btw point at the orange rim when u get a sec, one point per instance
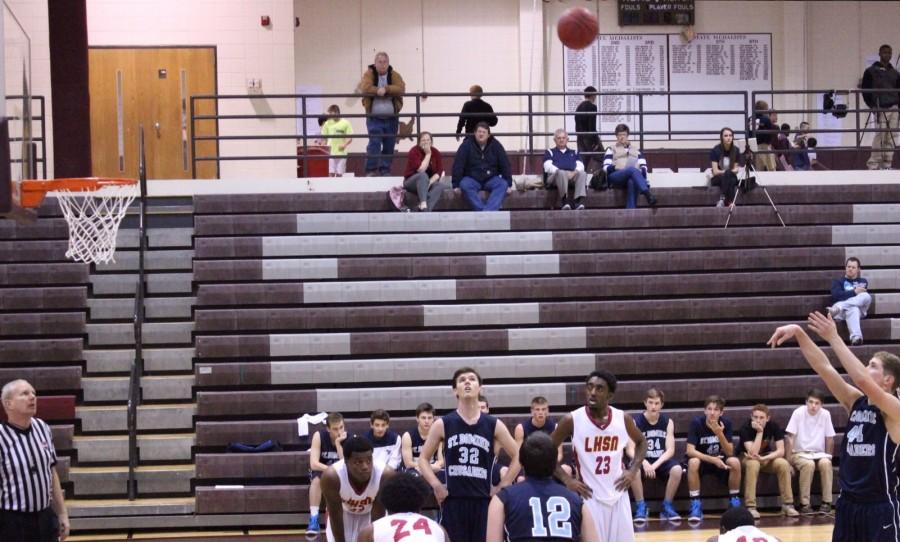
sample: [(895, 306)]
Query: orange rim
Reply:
[(32, 192)]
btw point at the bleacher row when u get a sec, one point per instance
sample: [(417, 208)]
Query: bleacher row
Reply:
[(42, 320), (309, 302), (314, 304)]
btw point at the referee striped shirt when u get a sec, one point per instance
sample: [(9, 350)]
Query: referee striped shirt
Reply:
[(27, 457)]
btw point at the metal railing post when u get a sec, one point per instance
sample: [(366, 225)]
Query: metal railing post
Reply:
[(193, 141), (750, 122), (746, 108), (530, 146), (43, 137), (418, 117), (859, 136), (641, 119), (305, 138), (137, 366)]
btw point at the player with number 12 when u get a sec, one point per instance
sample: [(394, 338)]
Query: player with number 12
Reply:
[(538, 509)]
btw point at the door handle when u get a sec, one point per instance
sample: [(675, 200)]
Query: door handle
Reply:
[(156, 127)]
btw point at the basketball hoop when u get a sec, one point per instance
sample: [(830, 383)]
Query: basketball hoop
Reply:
[(93, 208)]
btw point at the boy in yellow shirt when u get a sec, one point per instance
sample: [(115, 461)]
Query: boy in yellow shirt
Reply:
[(336, 126)]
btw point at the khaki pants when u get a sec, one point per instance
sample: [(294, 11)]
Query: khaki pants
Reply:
[(764, 162), (561, 180), (883, 143), (806, 467), (778, 466)]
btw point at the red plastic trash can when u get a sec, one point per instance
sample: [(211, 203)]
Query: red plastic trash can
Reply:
[(316, 160)]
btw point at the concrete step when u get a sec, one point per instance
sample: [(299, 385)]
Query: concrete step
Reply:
[(154, 260), (155, 388), (155, 360), (170, 479), (153, 333), (95, 419), (86, 508), (103, 517), (125, 283), (114, 448), (157, 238), (172, 388), (119, 308)]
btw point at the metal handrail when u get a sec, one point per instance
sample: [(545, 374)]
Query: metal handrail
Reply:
[(42, 118), (530, 116), (137, 365), (640, 131), (856, 110)]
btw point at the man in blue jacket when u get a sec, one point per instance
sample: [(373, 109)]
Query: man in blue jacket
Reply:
[(481, 164), (562, 167), (850, 299)]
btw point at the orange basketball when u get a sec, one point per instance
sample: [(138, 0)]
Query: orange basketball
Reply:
[(577, 28)]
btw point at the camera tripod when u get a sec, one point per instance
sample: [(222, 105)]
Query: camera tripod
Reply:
[(748, 183), (878, 116)]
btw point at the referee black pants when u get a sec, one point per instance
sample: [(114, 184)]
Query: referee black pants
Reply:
[(40, 526)]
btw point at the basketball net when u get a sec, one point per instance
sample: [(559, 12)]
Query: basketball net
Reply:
[(94, 218)]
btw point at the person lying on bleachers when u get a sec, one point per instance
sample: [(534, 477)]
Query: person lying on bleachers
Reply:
[(850, 299)]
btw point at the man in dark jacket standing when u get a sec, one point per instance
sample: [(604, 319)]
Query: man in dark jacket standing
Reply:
[(589, 146), (882, 76), (850, 299), (383, 88), (481, 164)]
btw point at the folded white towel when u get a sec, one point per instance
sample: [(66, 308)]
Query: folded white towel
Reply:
[(304, 421)]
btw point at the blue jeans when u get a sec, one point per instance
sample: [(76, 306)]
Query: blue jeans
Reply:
[(635, 180), (496, 186), (382, 137)]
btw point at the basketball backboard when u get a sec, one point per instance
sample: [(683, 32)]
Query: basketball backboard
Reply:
[(16, 149)]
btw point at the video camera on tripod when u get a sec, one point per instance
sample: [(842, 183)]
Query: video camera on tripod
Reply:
[(747, 181)]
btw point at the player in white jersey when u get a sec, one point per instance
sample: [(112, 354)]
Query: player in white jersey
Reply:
[(737, 526), (403, 497), (599, 435), (350, 487)]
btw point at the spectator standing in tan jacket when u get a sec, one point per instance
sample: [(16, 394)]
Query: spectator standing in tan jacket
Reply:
[(383, 89)]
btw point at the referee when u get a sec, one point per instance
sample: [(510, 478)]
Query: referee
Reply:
[(29, 485)]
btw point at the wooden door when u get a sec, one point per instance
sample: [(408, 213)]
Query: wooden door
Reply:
[(151, 87)]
